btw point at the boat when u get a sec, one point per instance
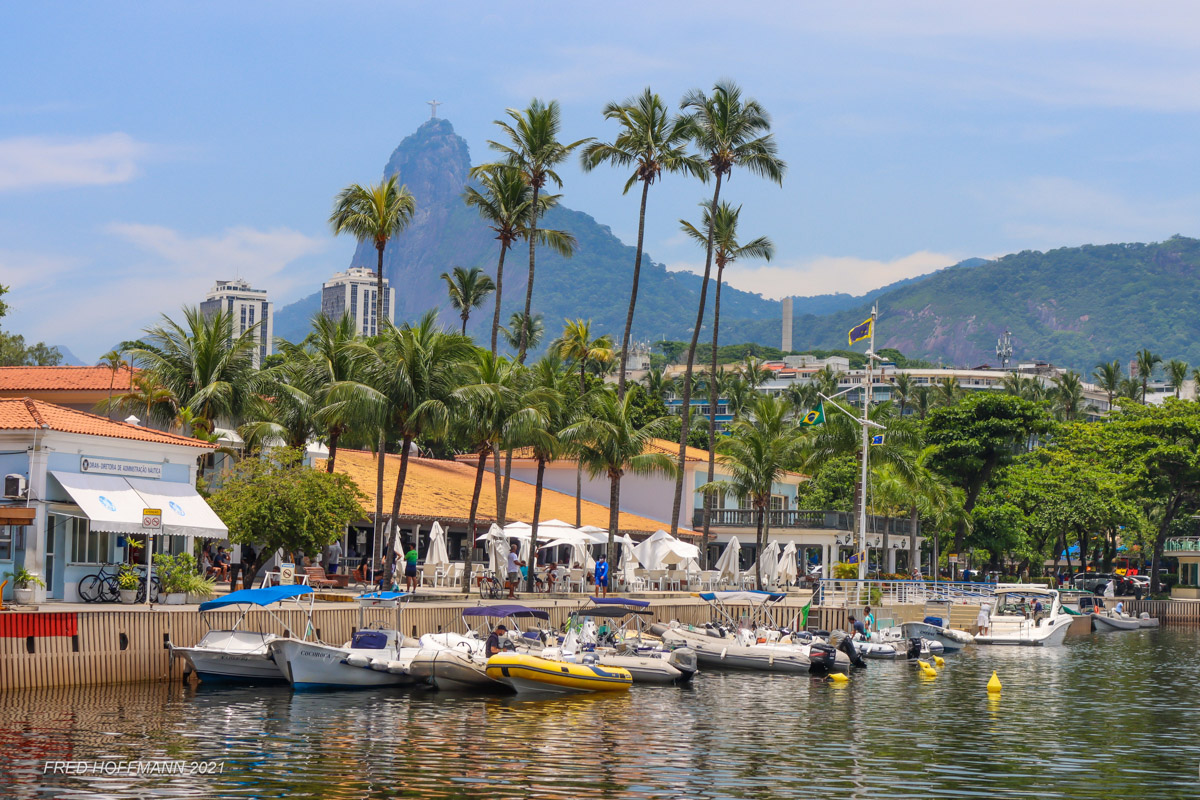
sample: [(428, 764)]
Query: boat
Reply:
[(1147, 621), (1015, 620), (754, 645), (239, 655), (890, 643), (626, 647), (935, 627), (374, 656), (531, 674), (453, 661), (1108, 620)]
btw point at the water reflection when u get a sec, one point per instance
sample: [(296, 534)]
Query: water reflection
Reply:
[(1101, 717)]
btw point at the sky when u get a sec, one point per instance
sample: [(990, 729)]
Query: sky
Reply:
[(148, 149)]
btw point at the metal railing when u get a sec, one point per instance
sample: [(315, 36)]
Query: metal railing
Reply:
[(1178, 544), (801, 518), (846, 593)]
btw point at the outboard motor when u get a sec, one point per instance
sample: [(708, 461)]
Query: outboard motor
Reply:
[(847, 647), (684, 659), (821, 659), (914, 649), (589, 658), (821, 635)]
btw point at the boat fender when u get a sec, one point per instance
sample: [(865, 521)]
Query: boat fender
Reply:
[(357, 660), (724, 650), (379, 665), (771, 660), (837, 677), (941, 662)]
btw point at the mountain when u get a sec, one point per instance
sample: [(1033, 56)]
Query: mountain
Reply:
[(1074, 306), (433, 163)]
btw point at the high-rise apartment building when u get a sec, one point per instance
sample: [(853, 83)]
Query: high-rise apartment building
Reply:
[(247, 306), (354, 292)]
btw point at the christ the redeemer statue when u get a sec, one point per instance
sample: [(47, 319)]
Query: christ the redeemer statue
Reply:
[(433, 104)]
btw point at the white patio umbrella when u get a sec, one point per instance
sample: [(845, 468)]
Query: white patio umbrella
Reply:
[(438, 554), (728, 567), (789, 570), (629, 561), (497, 548), (663, 549), (768, 564), (597, 535)]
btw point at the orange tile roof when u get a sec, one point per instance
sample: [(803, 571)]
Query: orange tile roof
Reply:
[(442, 490), (21, 413), (15, 379)]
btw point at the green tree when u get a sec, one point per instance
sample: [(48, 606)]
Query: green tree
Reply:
[(468, 290), (948, 391), (608, 443), (729, 132), (576, 344), (651, 141), (1177, 372), (658, 384), (1068, 395), (279, 503), (114, 360), (902, 388), (518, 327), (331, 355), (506, 205), (533, 151), (1146, 362), (1108, 377)]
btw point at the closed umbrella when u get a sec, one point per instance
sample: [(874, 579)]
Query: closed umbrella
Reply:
[(728, 566), (629, 561), (789, 570), (438, 554), (497, 548), (768, 564)]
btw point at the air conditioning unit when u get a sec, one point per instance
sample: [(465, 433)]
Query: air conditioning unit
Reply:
[(15, 487)]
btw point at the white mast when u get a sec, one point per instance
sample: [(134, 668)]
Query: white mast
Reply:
[(866, 449)]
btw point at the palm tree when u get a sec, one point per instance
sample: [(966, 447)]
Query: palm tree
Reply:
[(576, 344), (114, 360), (145, 396), (760, 450), (752, 370), (720, 234), (651, 140), (1177, 372), (922, 400), (738, 397), (902, 388), (202, 364), (1108, 377), (533, 331), (803, 396), (533, 151), (730, 132), (1129, 389), (468, 290), (917, 487), (608, 442), (494, 413), (506, 205), (827, 380), (658, 384), (374, 213), (1068, 394), (1146, 361), (332, 353), (948, 391)]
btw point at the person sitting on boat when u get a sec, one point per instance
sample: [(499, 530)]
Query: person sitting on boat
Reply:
[(1038, 611), (602, 576), (857, 627), (1120, 609), (492, 646)]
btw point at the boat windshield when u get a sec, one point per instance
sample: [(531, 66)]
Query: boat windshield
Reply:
[(1013, 604)]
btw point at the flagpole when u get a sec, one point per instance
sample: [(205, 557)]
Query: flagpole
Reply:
[(866, 449)]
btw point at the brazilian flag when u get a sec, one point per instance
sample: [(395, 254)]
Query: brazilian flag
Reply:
[(861, 331), (814, 417)]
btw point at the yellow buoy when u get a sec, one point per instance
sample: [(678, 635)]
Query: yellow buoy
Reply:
[(993, 685), (924, 664), (929, 673), (837, 677), (941, 662)]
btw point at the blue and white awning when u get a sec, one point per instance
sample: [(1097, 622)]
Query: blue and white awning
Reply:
[(115, 504)]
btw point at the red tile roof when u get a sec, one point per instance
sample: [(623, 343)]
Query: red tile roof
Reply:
[(43, 378), (21, 413)]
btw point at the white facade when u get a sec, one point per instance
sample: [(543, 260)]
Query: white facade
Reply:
[(248, 307), (354, 292)]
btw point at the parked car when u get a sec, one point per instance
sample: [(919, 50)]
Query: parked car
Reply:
[(1091, 581)]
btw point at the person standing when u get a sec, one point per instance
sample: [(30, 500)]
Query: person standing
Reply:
[(983, 622), (870, 620), (410, 569), (602, 576), (335, 557), (514, 571)]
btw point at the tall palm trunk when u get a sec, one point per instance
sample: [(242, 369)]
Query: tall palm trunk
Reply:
[(335, 433), (712, 416), (529, 283), (379, 288), (499, 295), (614, 518), (912, 538), (637, 271), (758, 541), (377, 545), (483, 451), (687, 376), (537, 510), (1083, 557), (500, 499), (464, 325), (887, 526), (396, 498), (579, 461)]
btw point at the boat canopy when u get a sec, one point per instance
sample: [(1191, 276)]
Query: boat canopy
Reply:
[(749, 597), (620, 601), (258, 597), (505, 611)]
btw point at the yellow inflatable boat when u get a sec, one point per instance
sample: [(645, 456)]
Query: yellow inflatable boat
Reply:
[(529, 673)]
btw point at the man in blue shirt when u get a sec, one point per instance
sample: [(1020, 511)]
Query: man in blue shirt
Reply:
[(602, 577)]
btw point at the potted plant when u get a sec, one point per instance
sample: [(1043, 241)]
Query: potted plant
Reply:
[(23, 583), (175, 572), (198, 588), (127, 584)]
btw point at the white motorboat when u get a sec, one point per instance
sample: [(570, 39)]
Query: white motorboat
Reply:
[(935, 627), (1026, 615), (236, 654), (1111, 620), (626, 648), (373, 656), (454, 661)]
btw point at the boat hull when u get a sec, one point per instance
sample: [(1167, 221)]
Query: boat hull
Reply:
[(452, 670), (1028, 636), (308, 665), (212, 665), (1102, 623), (725, 653), (951, 641), (646, 668), (532, 674)]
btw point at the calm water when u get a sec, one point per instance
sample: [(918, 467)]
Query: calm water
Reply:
[(1103, 717)]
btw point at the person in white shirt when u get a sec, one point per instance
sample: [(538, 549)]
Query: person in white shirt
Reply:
[(335, 556), (514, 571)]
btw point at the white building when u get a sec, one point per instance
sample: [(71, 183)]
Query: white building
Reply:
[(354, 292), (248, 307)]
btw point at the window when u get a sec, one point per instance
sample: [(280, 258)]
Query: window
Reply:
[(88, 546), (6, 542), (778, 502)]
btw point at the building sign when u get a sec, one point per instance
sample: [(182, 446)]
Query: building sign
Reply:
[(119, 466)]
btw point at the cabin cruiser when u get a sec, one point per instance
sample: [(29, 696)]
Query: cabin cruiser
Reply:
[(1027, 615), (242, 655), (647, 661), (374, 656), (935, 627), (458, 661)]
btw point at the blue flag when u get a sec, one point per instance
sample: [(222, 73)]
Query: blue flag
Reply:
[(877, 439), (861, 331)]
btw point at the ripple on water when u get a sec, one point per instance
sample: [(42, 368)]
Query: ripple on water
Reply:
[(1090, 719)]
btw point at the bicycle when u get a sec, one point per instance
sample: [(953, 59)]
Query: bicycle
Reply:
[(155, 589), (100, 587), (489, 587)]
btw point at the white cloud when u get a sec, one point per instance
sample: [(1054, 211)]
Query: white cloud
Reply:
[(33, 162), (21, 269), (828, 274)]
